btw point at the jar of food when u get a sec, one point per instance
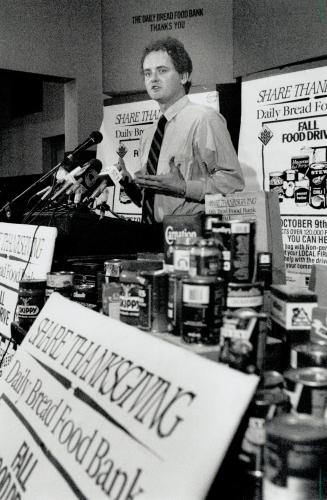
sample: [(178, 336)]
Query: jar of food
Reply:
[(31, 298), (205, 258)]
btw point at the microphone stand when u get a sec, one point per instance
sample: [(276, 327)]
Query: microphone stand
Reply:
[(7, 206)]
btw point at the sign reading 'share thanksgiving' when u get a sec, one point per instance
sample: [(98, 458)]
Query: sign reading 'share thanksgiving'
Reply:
[(94, 408)]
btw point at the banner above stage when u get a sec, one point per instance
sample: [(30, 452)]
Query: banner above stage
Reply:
[(94, 408), (283, 143)]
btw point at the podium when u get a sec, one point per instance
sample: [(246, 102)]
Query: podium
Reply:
[(83, 233)]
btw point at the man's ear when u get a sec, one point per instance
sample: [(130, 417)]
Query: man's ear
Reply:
[(185, 77)]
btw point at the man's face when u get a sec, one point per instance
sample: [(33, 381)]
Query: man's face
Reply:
[(163, 83)]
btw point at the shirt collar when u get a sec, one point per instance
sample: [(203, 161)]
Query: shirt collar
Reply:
[(175, 108)]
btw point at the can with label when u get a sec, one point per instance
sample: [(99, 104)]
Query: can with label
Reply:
[(111, 299), (129, 298), (31, 298), (153, 295), (309, 354), (276, 180), (176, 226), (290, 177), (272, 380), (85, 290), (243, 340), (295, 458), (244, 296), (307, 388), (265, 406), (174, 307), (112, 270), (300, 164), (205, 258), (182, 254), (237, 242), (317, 176), (302, 191), (203, 302), (61, 282)]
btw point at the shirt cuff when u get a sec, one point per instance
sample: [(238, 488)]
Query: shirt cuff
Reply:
[(194, 190)]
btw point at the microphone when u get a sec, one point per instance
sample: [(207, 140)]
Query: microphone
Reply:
[(69, 179), (103, 181), (67, 163), (94, 138), (84, 176), (86, 179), (131, 188)]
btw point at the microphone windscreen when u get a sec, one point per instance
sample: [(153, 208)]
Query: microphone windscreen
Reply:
[(96, 136)]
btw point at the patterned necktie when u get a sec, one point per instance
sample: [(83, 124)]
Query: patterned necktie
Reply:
[(151, 166)]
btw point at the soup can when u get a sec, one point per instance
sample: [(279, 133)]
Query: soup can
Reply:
[(309, 354), (203, 302), (307, 388), (61, 282), (295, 456)]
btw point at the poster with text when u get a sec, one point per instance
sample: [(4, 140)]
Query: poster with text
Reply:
[(26, 252), (122, 127), (283, 143), (92, 408)]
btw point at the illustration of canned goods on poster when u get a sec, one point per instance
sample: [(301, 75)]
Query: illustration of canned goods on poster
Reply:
[(283, 148)]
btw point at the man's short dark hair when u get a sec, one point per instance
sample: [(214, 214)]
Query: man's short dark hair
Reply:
[(181, 60)]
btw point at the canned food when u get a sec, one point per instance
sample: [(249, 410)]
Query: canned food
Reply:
[(153, 294), (309, 354), (31, 298), (264, 268), (85, 290), (205, 258), (266, 405), (61, 282), (295, 456), (302, 191), (112, 270), (276, 180), (176, 226), (203, 301), (129, 298), (243, 340), (182, 254), (174, 308), (244, 296), (317, 177), (272, 380), (290, 177), (237, 242), (111, 300), (308, 390)]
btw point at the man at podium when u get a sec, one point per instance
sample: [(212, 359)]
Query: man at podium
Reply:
[(188, 152)]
